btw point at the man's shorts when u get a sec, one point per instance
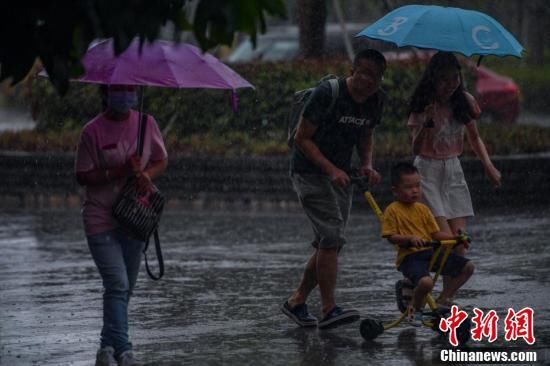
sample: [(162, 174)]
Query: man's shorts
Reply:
[(445, 190), (415, 265), (327, 206)]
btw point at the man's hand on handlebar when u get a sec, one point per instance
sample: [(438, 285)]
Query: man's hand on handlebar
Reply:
[(373, 175)]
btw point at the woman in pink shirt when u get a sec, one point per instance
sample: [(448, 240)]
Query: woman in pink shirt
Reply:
[(439, 113), (105, 159)]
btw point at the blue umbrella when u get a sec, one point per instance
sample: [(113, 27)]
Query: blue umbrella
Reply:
[(446, 29)]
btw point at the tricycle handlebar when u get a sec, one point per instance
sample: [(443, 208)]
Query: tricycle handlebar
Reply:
[(359, 181)]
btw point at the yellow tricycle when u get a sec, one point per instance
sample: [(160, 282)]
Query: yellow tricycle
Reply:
[(371, 328)]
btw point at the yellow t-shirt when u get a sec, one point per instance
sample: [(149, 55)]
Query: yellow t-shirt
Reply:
[(408, 219)]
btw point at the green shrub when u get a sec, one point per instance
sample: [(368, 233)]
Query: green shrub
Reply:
[(262, 111), (533, 81), (70, 112), (201, 121), (500, 140)]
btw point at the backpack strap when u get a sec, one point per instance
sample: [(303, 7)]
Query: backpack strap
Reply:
[(335, 90)]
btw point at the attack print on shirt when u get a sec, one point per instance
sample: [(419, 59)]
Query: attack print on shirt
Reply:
[(350, 120)]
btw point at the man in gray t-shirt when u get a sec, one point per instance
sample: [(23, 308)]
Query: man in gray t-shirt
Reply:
[(321, 160)]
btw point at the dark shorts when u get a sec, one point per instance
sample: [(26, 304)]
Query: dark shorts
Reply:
[(415, 266)]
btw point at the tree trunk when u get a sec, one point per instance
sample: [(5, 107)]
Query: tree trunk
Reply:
[(535, 31), (520, 15), (312, 15)]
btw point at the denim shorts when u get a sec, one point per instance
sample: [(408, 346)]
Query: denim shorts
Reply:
[(327, 206), (415, 265)]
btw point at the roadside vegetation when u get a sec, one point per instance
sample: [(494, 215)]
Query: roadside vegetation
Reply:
[(201, 122), (533, 81)]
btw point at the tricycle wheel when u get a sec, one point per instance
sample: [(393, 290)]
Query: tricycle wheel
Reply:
[(463, 332), (438, 317), (371, 329)]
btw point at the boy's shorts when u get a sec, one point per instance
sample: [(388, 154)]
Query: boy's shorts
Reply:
[(327, 206), (415, 266)]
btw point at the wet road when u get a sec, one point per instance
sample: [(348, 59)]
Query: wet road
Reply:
[(227, 274)]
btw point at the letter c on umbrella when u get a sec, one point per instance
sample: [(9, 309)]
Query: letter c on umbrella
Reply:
[(482, 28)]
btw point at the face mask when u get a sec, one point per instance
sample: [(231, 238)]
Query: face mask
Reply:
[(121, 101)]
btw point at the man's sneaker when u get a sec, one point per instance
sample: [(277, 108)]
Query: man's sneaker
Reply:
[(444, 305), (127, 358), (337, 316), (105, 357), (299, 314)]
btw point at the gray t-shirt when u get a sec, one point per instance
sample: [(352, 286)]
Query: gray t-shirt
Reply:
[(339, 130)]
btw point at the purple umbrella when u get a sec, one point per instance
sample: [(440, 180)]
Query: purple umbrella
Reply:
[(161, 63)]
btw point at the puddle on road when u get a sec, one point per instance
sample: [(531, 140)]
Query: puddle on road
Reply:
[(227, 273)]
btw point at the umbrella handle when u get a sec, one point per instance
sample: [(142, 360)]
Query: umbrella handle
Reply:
[(479, 60), (141, 136)]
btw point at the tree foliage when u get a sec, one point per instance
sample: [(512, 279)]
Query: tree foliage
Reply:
[(60, 31)]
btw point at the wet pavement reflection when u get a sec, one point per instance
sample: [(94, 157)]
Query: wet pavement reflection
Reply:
[(227, 273)]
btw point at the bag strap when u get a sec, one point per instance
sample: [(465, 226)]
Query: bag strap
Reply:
[(335, 90), (141, 132), (159, 257)]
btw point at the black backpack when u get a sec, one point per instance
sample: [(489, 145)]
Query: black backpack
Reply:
[(299, 101)]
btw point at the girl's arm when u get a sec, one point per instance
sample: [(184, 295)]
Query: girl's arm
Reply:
[(481, 151)]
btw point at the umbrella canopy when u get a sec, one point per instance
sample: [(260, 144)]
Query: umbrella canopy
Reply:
[(444, 28), (161, 63)]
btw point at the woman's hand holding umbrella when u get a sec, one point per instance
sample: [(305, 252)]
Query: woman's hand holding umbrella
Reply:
[(143, 180)]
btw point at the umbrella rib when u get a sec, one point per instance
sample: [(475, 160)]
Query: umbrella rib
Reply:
[(463, 32), (234, 88), (509, 37), (171, 67), (198, 58)]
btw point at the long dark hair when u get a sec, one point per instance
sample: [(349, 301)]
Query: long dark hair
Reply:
[(425, 92)]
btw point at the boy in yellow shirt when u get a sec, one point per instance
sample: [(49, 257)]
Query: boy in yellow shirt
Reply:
[(409, 224)]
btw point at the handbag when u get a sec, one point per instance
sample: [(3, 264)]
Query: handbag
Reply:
[(139, 213)]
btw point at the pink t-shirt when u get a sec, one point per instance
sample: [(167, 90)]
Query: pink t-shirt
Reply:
[(446, 139), (108, 144)]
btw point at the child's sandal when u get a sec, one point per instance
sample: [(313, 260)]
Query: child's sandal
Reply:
[(414, 317), (404, 290)]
